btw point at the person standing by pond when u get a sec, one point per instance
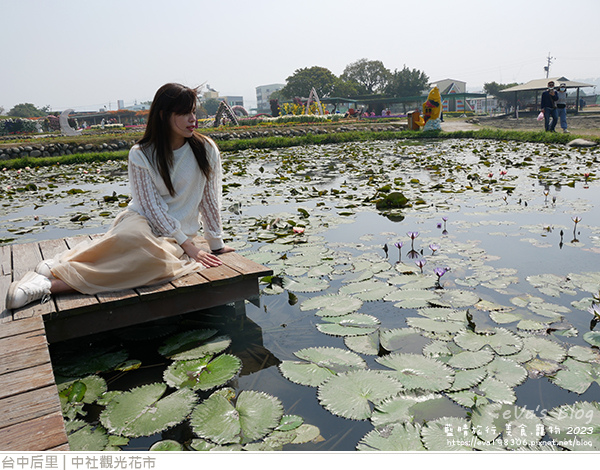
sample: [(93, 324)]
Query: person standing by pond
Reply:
[(175, 177), (561, 106), (548, 105)]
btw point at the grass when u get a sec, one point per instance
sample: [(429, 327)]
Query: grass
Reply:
[(274, 142)]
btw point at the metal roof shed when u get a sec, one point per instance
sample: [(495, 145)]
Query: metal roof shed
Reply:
[(542, 84)]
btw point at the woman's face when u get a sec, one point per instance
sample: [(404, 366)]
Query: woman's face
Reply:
[(182, 127)]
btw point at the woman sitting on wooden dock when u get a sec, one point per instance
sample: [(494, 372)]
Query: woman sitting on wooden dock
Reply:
[(174, 176)]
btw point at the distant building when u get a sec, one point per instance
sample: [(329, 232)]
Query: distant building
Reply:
[(450, 86), (232, 100), (120, 104), (263, 94)]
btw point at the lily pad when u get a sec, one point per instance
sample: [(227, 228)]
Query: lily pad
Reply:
[(512, 423), (202, 374), (194, 344), (414, 371), (145, 410), (577, 376), (576, 426), (321, 364), (350, 395), (349, 325), (332, 305), (502, 341), (395, 438), (251, 417)]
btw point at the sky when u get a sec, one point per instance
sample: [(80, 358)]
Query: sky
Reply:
[(87, 55)]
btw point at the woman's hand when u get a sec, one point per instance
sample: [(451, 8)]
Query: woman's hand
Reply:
[(207, 259)]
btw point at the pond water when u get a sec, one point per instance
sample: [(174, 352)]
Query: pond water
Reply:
[(500, 346)]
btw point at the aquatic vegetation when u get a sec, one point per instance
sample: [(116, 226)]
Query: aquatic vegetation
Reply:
[(415, 362)]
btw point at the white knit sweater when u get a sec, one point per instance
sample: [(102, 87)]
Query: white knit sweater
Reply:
[(177, 216)]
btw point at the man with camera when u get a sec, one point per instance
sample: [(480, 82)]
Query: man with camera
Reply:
[(549, 99)]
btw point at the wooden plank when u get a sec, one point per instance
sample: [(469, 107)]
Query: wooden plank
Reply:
[(28, 406), (5, 315), (219, 274), (117, 296), (244, 265), (45, 432), (24, 360), (22, 326), (5, 261), (27, 379), (25, 258), (71, 325), (191, 280), (13, 345), (75, 300), (52, 248)]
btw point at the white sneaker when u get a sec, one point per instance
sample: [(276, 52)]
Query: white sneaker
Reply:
[(45, 268), (32, 287), (566, 131)]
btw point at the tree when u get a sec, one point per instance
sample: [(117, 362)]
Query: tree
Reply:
[(211, 106), (303, 80), (27, 110), (407, 82), (371, 74), (347, 88)]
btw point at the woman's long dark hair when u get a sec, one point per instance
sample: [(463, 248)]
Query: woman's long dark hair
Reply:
[(170, 99)]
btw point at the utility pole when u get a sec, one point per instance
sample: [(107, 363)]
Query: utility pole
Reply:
[(547, 67)]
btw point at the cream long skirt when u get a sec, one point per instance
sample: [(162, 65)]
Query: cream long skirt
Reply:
[(128, 255)]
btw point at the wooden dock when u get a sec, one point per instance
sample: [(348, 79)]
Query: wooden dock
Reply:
[(30, 411)]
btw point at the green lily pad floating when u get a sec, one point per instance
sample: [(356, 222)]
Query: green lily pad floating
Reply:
[(203, 374), (367, 290), (577, 376), (396, 438), (576, 426), (487, 391), (167, 445), (450, 434), (436, 329), (442, 313), (332, 305), (194, 344), (320, 365), (84, 390), (506, 371), (458, 298), (470, 359), (223, 420), (90, 362), (364, 344), (305, 284), (407, 407), (350, 395), (412, 298), (145, 410), (501, 340), (552, 285), (584, 354), (84, 437), (513, 424), (465, 379), (593, 338), (353, 324), (401, 339), (277, 439), (414, 371)]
